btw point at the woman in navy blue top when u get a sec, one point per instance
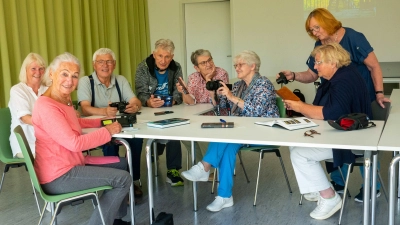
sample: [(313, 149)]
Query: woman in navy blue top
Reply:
[(343, 92)]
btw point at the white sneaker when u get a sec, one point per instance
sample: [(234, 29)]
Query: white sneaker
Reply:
[(220, 203), (312, 197), (327, 207), (196, 173)]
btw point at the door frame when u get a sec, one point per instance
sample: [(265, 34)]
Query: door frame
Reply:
[(183, 29)]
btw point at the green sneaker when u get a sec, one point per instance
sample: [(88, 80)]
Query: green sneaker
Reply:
[(174, 178)]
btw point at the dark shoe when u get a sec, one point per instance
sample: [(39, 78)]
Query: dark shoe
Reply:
[(174, 178), (120, 222), (138, 192), (360, 196), (338, 188)]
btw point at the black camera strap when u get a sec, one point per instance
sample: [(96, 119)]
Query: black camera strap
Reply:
[(92, 87)]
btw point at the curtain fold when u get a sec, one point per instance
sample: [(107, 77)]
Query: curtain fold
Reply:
[(51, 27)]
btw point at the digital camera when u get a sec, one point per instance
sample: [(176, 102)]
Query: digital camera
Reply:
[(213, 85), (282, 79), (121, 106)]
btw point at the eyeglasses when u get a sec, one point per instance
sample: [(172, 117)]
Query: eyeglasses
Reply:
[(318, 62), (108, 62), (314, 29), (209, 61), (310, 133), (239, 65)]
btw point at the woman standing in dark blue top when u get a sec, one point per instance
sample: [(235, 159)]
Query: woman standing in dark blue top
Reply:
[(343, 92), (323, 27)]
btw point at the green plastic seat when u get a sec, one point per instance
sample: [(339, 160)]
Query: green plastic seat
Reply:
[(60, 199), (6, 155), (261, 150)]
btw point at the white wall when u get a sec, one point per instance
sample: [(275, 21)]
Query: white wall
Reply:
[(275, 30)]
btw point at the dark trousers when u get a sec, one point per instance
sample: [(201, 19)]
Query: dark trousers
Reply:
[(136, 152), (173, 155)]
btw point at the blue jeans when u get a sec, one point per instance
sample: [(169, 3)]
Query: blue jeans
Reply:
[(337, 178), (223, 157)]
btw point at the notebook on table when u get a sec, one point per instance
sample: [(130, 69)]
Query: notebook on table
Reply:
[(168, 122), (290, 124)]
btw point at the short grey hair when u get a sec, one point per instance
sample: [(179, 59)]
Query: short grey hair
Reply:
[(65, 57), (165, 44), (30, 58), (250, 58), (197, 53), (103, 51)]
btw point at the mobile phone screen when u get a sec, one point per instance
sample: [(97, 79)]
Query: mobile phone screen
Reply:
[(185, 90)]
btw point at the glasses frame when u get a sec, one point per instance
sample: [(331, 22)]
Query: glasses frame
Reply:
[(310, 133), (239, 65), (315, 28), (107, 62), (204, 63)]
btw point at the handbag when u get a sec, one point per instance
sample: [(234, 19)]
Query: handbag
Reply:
[(164, 218), (352, 121)]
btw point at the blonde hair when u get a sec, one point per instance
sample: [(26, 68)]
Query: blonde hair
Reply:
[(332, 52), (250, 58), (325, 20), (30, 58)]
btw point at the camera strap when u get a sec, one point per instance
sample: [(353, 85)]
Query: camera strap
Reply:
[(92, 88)]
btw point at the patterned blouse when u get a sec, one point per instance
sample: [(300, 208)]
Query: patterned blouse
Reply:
[(260, 101), (197, 85)]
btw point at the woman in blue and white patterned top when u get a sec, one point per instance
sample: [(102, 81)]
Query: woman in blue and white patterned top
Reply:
[(252, 96)]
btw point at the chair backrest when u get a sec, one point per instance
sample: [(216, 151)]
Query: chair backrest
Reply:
[(28, 157), (5, 124), (379, 113), (281, 107)]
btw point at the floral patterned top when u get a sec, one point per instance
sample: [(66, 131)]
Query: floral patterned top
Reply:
[(197, 85), (260, 100)]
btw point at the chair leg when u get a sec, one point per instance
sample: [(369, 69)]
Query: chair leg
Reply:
[(241, 163), (2, 179), (345, 191), (36, 199), (258, 178), (100, 212), (187, 159), (140, 182), (42, 213), (54, 214), (213, 183), (301, 199), (155, 153), (341, 174), (286, 177), (383, 186)]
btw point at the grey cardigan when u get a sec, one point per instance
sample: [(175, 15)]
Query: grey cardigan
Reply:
[(146, 81)]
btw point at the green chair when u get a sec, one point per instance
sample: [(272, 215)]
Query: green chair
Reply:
[(6, 155), (266, 149), (60, 199)]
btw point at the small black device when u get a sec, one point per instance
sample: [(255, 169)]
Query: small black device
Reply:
[(282, 79), (184, 89), (213, 85), (125, 120), (121, 106), (163, 113)]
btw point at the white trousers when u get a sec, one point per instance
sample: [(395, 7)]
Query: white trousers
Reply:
[(309, 173)]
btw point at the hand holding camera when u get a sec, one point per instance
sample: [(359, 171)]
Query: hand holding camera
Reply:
[(285, 77), (216, 84)]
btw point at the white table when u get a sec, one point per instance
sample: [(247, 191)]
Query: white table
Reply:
[(246, 131), (390, 142)]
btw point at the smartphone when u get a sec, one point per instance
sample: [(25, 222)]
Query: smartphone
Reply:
[(184, 89), (163, 113)]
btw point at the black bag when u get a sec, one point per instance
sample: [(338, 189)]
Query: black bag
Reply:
[(291, 113), (352, 121), (164, 218)]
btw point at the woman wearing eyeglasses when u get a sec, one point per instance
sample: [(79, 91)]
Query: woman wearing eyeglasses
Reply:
[(252, 96), (343, 92)]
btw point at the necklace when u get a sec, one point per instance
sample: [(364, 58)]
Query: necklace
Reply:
[(68, 102)]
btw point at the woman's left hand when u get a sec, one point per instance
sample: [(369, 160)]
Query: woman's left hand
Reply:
[(293, 105), (224, 90), (380, 99)]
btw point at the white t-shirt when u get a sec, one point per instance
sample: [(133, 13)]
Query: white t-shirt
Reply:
[(22, 100)]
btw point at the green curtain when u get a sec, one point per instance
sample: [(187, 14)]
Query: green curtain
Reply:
[(51, 27)]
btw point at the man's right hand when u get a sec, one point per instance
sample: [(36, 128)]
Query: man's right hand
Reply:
[(111, 111), (154, 102)]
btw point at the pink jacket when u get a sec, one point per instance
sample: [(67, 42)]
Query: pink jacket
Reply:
[(59, 138)]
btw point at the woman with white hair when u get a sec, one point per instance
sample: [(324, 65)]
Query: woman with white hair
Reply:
[(23, 97), (59, 164), (252, 96)]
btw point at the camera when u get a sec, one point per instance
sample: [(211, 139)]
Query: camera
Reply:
[(125, 120), (121, 106), (214, 85), (282, 79)]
